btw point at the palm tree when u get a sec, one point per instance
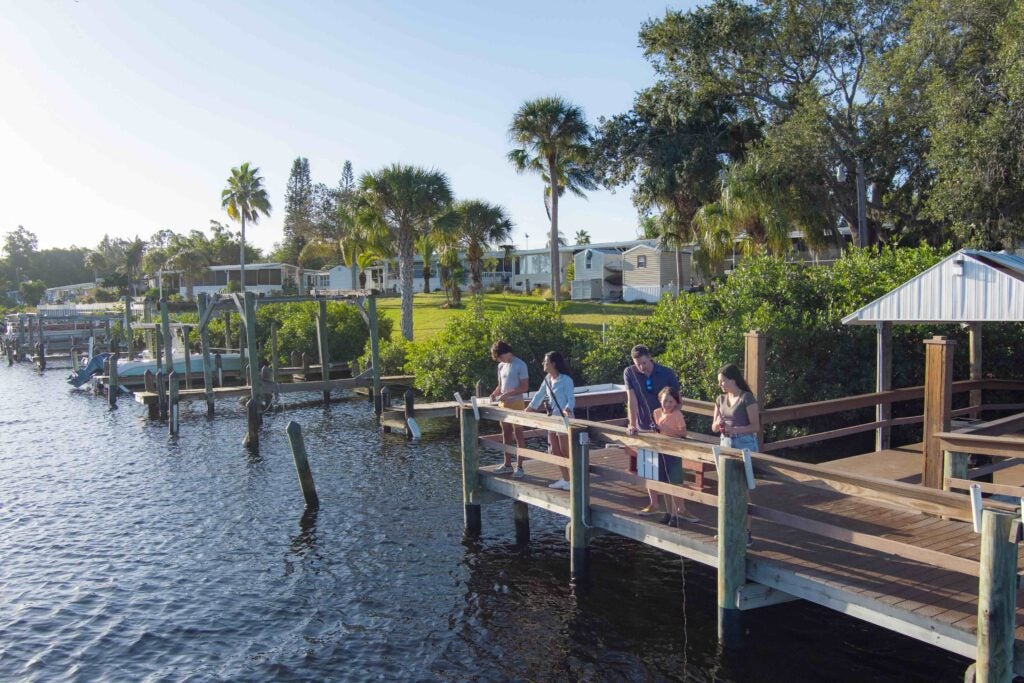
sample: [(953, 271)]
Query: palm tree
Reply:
[(245, 199), (757, 207), (480, 224), (399, 203), (131, 264), (154, 263), (552, 134), (190, 256), (561, 240), (425, 248), (582, 237)]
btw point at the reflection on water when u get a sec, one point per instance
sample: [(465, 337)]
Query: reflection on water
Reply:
[(131, 556)]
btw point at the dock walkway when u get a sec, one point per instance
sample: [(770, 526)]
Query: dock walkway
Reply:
[(935, 605)]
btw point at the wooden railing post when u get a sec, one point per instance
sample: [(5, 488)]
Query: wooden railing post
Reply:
[(579, 501), (938, 403), (974, 341), (954, 466), (732, 549), (754, 358), (997, 598), (470, 467), (883, 382)]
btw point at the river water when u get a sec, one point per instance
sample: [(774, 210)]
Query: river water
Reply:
[(128, 556)]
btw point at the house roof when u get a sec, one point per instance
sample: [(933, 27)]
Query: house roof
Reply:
[(968, 286), (654, 247)]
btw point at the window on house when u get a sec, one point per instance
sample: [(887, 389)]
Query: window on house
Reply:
[(590, 257), (641, 261)]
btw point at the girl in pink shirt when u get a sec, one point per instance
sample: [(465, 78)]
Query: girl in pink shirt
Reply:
[(669, 421)]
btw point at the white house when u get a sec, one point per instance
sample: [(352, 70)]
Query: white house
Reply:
[(69, 293), (648, 272), (598, 274), (261, 278)]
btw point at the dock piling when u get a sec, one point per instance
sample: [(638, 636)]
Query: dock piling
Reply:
[(203, 303), (302, 468), (165, 327), (997, 598), (252, 438), (186, 332), (470, 475), (112, 383), (172, 409), (161, 394), (218, 364), (41, 353), (410, 411), (325, 356), (371, 305), (732, 549), (149, 380), (273, 352), (579, 502), (384, 404), (521, 518)]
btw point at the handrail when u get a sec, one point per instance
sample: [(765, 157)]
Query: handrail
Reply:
[(840, 405), (980, 444)]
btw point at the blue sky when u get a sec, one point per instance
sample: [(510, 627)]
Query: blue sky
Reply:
[(126, 117)]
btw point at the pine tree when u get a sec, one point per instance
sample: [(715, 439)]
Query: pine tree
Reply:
[(298, 210)]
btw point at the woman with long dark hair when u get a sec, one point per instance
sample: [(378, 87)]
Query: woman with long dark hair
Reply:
[(736, 417), (557, 389)]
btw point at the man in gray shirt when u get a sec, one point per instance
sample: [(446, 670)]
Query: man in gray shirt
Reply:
[(513, 382)]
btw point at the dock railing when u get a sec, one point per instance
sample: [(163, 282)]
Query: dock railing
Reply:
[(993, 645), (881, 398)]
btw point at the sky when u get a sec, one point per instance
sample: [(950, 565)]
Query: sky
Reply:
[(124, 118)]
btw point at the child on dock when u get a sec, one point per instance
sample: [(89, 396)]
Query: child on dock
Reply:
[(558, 390), (669, 421)]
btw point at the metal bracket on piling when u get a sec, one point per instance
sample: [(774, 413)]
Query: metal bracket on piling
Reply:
[(976, 507), (748, 468), (476, 408)]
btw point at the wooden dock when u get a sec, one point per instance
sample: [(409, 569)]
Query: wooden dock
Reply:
[(895, 554)]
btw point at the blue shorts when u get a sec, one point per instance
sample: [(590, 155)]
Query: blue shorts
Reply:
[(739, 442)]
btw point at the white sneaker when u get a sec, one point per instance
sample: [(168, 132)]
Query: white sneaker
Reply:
[(518, 473), (502, 469), (561, 485)]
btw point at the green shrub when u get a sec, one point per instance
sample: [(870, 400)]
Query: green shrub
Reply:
[(459, 355), (392, 356), (347, 333)]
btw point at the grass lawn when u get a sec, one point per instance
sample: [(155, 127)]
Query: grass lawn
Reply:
[(428, 317)]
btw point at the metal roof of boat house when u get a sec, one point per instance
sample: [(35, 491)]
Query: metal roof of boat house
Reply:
[(968, 286)]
